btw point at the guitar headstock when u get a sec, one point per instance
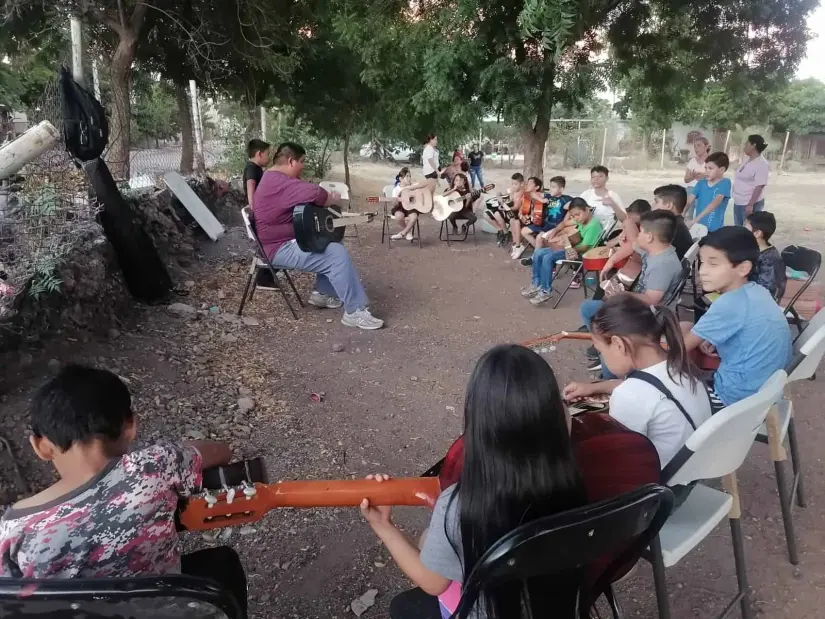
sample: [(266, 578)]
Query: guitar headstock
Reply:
[(488, 187), (373, 199), (229, 507)]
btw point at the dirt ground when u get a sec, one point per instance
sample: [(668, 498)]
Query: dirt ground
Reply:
[(393, 404)]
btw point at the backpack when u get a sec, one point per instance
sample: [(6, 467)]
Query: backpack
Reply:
[(85, 127)]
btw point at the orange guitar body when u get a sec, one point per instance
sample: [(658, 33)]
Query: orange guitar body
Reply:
[(595, 259)]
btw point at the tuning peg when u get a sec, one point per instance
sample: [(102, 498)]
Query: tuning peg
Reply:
[(248, 490), (210, 498), (230, 495)]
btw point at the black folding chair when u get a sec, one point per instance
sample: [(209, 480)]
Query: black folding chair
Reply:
[(261, 272), (548, 563), (146, 597), (808, 261), (446, 236), (577, 266)]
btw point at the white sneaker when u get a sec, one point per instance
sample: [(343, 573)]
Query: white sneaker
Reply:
[(324, 300), (530, 291), (397, 237), (362, 319), (410, 236), (517, 251), (542, 297)]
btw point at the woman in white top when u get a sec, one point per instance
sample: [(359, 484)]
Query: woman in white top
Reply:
[(660, 395), (695, 170), (606, 204), (429, 160), (750, 179)]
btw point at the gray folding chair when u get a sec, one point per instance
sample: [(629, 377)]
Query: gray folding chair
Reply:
[(343, 189), (577, 266)]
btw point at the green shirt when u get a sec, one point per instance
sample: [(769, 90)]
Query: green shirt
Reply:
[(590, 232)]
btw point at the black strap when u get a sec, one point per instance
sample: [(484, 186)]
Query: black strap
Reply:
[(657, 384)]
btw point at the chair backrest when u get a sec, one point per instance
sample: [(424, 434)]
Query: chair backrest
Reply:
[(336, 186), (802, 259), (387, 191), (676, 293), (549, 557), (698, 231), (146, 597), (246, 213), (692, 252), (808, 352), (719, 446)]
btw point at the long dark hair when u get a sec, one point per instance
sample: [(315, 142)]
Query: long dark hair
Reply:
[(404, 171), (466, 181), (518, 459), (631, 319)]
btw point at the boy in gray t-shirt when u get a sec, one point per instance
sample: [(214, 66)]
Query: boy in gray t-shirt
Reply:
[(661, 272)]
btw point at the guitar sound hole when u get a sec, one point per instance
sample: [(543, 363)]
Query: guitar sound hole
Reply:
[(328, 224)]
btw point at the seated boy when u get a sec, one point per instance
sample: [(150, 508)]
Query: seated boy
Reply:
[(625, 241), (258, 153), (606, 203), (744, 326), (112, 512), (532, 211), (660, 275), (544, 260), (554, 210), (498, 216), (674, 198), (770, 268)]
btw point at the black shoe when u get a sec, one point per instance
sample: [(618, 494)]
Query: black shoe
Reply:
[(591, 352), (527, 262), (499, 238), (594, 366), (464, 227), (455, 231)]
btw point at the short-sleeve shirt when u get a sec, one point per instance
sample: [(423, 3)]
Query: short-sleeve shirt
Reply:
[(659, 272), (770, 272), (749, 176), (475, 157), (252, 172), (751, 336), (590, 232), (644, 409), (682, 241), (430, 152), (694, 166), (556, 209), (120, 523), (600, 210), (396, 191), (705, 194), (275, 199)]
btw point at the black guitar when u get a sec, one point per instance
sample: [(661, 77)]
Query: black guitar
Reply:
[(317, 226)]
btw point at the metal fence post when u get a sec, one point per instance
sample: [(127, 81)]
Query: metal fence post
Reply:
[(664, 143), (76, 32), (263, 123), (200, 164), (784, 149), (604, 144)]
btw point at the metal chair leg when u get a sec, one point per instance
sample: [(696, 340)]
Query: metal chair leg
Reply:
[(659, 579), (613, 602), (785, 503), (294, 290), (417, 230), (569, 283), (246, 289), (795, 462), (741, 567)]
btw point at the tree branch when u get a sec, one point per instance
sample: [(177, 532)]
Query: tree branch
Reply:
[(121, 14), (138, 16), (89, 10)]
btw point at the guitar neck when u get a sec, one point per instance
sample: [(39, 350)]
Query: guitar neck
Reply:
[(549, 340)]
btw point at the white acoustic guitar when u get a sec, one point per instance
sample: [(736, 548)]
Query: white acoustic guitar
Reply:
[(446, 205), (413, 199)]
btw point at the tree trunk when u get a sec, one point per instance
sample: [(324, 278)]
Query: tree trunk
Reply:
[(346, 159), (121, 115), (187, 146), (533, 140)]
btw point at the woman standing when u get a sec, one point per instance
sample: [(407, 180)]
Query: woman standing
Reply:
[(429, 160), (750, 179), (695, 170)]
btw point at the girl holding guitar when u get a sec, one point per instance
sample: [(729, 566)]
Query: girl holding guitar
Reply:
[(406, 219), (515, 428), (461, 186)]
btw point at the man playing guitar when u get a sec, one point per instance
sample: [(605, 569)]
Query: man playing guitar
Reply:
[(337, 281)]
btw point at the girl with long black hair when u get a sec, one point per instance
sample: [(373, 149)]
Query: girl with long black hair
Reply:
[(518, 466)]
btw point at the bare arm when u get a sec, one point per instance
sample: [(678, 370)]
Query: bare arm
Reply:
[(757, 194), (408, 558), (250, 192), (213, 453), (710, 208), (575, 391), (650, 297), (689, 175), (332, 198)]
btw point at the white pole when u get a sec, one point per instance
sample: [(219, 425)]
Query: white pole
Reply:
[(664, 140), (95, 79), (196, 123), (727, 139), (27, 147), (604, 144), (263, 123), (784, 148), (77, 50)]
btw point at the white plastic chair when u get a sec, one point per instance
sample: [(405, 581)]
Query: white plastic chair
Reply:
[(809, 348), (716, 449), (690, 259), (698, 231), (260, 264), (386, 226), (342, 189)]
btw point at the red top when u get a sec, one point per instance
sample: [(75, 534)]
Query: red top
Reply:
[(275, 198)]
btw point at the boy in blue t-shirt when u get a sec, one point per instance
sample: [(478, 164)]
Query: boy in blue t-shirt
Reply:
[(555, 209), (712, 194), (745, 326)]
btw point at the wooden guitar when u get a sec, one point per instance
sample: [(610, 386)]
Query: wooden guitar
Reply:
[(316, 227), (420, 200), (446, 205), (248, 502)]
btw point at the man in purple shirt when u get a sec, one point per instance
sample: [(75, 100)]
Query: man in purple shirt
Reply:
[(337, 281)]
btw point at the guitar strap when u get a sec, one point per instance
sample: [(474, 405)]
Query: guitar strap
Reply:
[(659, 386)]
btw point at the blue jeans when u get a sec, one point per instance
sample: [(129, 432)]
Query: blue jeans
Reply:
[(587, 310), (476, 174), (544, 259), (739, 211), (335, 275)]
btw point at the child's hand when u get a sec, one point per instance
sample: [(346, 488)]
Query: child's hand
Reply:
[(707, 348), (604, 274), (379, 517), (576, 391)]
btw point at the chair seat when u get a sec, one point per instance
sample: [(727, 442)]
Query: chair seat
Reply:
[(784, 408), (692, 522)]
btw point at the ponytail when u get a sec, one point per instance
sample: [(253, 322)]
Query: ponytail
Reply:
[(401, 174), (630, 318)]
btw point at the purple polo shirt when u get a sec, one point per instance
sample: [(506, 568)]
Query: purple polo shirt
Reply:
[(275, 198)]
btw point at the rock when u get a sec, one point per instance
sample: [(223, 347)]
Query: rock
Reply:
[(228, 338), (230, 318), (54, 366), (360, 605), (208, 537), (182, 309), (196, 435), (337, 347), (414, 378), (246, 404), (251, 321), (189, 284), (113, 334), (244, 392), (451, 409), (26, 359), (221, 294), (184, 262), (247, 530)]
